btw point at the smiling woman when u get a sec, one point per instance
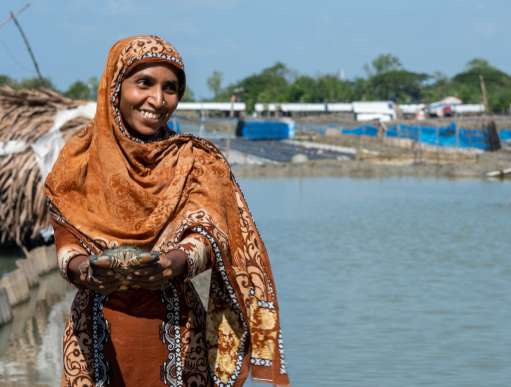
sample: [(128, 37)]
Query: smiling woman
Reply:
[(149, 96), (138, 211)]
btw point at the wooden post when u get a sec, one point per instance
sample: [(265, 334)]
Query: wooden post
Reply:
[(25, 39), (484, 94)]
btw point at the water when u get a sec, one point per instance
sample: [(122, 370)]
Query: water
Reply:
[(396, 282), (387, 283), (31, 346), (8, 256)]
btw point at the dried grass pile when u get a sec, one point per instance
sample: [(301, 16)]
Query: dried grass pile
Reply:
[(25, 116)]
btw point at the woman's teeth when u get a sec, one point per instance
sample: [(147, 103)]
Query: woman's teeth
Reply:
[(151, 115)]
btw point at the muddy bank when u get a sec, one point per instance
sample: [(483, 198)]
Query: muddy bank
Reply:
[(475, 168), (369, 157)]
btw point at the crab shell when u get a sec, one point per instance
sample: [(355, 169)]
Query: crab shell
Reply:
[(125, 258)]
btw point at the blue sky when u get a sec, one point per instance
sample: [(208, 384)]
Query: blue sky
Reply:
[(71, 38)]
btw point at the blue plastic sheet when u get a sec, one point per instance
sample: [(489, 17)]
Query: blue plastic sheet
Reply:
[(174, 125), (444, 136), (267, 130), (366, 130), (505, 135)]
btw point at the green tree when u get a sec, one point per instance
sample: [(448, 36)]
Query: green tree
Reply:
[(188, 96), (6, 80), (35, 83), (271, 85), (398, 85), (467, 84), (478, 64), (361, 89), (439, 88), (215, 83), (382, 64), (93, 84), (332, 89), (303, 89), (325, 88), (79, 90)]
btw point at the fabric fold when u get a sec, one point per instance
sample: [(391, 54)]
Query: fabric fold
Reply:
[(107, 189)]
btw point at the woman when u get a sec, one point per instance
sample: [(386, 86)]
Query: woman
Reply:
[(126, 180)]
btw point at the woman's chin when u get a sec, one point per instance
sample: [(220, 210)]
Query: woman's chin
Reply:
[(146, 131)]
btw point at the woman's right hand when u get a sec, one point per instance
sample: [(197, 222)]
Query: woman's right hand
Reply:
[(94, 275)]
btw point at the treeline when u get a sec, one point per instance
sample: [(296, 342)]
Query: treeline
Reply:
[(78, 90), (385, 79)]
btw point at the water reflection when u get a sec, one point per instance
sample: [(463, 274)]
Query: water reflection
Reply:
[(30, 346)]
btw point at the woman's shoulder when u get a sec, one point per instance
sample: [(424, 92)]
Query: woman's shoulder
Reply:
[(203, 147), (207, 154)]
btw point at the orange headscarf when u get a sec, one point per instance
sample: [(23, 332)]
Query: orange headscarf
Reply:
[(109, 184), (117, 190)]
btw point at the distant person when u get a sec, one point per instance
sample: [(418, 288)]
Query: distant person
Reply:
[(137, 212)]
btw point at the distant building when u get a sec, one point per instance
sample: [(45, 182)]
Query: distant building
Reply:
[(232, 109)]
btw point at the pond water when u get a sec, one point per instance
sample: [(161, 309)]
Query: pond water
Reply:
[(388, 283)]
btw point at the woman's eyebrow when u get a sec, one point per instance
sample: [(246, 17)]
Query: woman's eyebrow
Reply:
[(143, 75)]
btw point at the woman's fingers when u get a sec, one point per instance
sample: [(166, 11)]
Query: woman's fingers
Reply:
[(146, 272), (106, 273), (156, 281), (103, 273), (103, 261), (165, 274)]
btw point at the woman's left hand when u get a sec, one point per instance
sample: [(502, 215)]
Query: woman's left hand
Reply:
[(156, 276)]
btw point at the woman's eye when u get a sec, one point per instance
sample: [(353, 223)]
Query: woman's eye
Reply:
[(144, 82), (171, 87)]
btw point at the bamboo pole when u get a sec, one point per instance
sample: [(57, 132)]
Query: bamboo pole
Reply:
[(27, 44)]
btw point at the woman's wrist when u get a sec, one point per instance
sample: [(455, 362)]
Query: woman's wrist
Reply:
[(177, 261), (73, 268)]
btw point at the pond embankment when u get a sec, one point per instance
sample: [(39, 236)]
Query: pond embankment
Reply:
[(16, 285), (360, 157)]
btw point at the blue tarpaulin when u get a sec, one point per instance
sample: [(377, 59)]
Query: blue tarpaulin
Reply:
[(174, 125), (366, 130), (505, 135), (444, 136), (266, 130)]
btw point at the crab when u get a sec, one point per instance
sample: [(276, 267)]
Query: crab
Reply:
[(123, 260)]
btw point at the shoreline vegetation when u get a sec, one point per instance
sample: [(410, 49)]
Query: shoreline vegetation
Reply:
[(385, 79)]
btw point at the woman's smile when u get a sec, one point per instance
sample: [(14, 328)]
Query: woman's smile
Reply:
[(151, 116)]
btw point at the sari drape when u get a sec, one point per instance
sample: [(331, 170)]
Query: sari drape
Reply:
[(108, 189)]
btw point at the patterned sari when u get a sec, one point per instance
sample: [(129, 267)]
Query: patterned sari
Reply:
[(109, 189)]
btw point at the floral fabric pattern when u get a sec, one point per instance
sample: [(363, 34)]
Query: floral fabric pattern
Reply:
[(107, 190)]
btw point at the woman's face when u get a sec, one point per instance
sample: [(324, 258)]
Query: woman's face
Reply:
[(148, 98)]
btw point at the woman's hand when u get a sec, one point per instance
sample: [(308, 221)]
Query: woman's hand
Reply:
[(156, 276), (94, 275)]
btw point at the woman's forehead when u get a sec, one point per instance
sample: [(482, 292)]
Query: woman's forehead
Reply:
[(150, 68)]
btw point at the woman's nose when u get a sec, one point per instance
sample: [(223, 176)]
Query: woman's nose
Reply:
[(157, 98)]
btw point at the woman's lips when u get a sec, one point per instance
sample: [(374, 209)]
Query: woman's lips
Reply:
[(151, 117)]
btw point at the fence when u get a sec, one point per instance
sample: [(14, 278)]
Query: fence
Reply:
[(450, 136)]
